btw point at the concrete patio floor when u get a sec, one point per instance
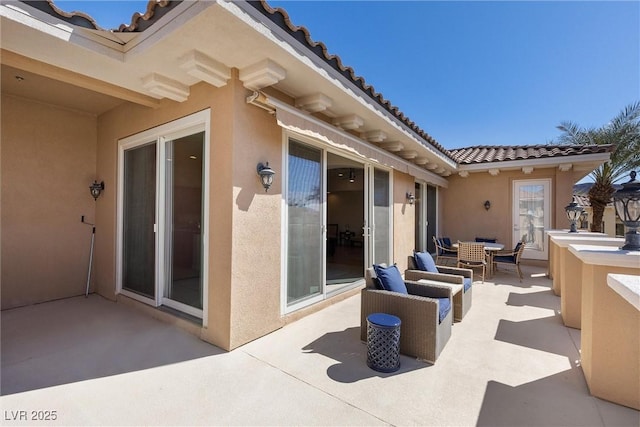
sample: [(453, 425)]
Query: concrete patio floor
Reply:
[(94, 362)]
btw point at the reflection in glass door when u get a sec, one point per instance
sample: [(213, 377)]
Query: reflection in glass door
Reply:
[(138, 221), (531, 213), (183, 221), (381, 224), (305, 220)]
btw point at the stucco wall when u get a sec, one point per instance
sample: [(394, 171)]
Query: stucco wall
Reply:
[(463, 216), (244, 254), (403, 219), (48, 163)]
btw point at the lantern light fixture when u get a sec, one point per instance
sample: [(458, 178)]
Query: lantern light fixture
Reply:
[(573, 210), (627, 203), (487, 205), (96, 189), (411, 198), (266, 175)]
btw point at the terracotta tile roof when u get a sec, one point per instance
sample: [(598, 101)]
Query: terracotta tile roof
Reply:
[(280, 17), (488, 154), (139, 21)]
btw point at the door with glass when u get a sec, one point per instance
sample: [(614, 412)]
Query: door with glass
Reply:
[(161, 220), (531, 215), (305, 237)]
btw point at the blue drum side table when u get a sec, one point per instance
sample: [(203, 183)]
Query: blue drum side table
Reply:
[(383, 342)]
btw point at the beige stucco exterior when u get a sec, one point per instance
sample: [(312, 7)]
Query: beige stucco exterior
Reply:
[(63, 126), (610, 343), (463, 214), (48, 162)]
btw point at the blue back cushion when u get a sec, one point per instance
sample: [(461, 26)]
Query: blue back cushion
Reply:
[(446, 242), (484, 239), (517, 248), (425, 262), (505, 258), (467, 283), (390, 279), (444, 307)]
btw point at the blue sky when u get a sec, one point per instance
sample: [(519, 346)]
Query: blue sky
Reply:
[(474, 73)]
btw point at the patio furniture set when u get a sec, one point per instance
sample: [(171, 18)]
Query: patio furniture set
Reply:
[(429, 298)]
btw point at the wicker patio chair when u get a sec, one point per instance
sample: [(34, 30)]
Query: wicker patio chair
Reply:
[(472, 255), (422, 334), (453, 275), (511, 257), (444, 251)]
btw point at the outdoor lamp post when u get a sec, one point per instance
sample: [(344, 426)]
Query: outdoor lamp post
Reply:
[(627, 203), (574, 210)]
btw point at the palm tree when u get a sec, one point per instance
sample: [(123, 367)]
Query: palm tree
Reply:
[(623, 131)]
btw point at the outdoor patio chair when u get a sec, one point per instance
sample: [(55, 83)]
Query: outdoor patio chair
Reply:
[(511, 257), (444, 251), (472, 255), (453, 275), (423, 334)]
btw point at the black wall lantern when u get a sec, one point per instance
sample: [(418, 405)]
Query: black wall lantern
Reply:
[(411, 198), (573, 210), (487, 205), (266, 175), (627, 203), (96, 189)]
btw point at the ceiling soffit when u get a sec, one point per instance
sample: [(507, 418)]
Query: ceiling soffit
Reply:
[(164, 61)]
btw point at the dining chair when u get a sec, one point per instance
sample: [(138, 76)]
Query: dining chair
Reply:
[(511, 257), (472, 255), (444, 250)]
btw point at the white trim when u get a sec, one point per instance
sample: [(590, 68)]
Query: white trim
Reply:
[(548, 162), (193, 123)]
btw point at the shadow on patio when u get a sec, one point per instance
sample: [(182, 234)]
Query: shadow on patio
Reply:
[(346, 348), (78, 339)]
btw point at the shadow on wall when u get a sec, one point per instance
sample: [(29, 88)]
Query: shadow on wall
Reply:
[(78, 339), (346, 348)]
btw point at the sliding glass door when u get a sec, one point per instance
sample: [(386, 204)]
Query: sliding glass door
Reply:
[(338, 222), (305, 221), (139, 218), (162, 217)]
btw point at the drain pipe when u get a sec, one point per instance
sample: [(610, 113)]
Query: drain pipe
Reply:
[(93, 236)]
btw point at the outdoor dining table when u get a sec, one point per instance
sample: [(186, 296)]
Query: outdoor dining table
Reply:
[(490, 249)]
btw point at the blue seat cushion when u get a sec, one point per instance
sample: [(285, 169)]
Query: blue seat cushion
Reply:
[(425, 262), (505, 258), (444, 307), (467, 283), (390, 279)]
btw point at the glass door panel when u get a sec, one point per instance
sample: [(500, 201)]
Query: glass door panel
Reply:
[(183, 220), (381, 217), (139, 218), (305, 261), (345, 219), (432, 196), (531, 216)]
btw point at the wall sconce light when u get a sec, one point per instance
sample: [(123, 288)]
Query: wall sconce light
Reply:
[(574, 210), (96, 189), (352, 176), (266, 175), (627, 203), (411, 198), (487, 205)]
